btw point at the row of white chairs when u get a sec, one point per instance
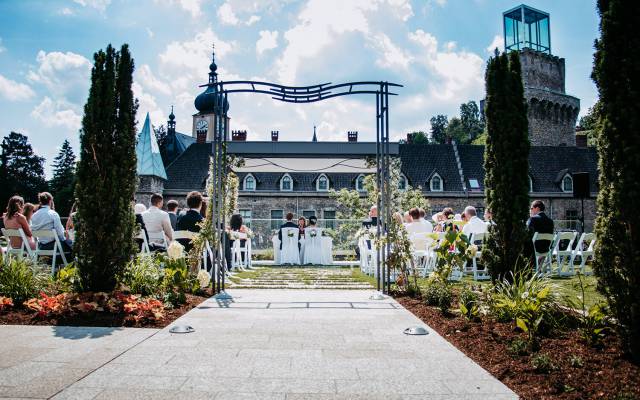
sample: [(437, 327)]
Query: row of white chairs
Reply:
[(563, 253), (24, 250)]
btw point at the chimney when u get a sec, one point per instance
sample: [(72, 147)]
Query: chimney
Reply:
[(274, 136), (581, 139), (409, 138), (449, 139), (352, 136), (201, 136), (239, 136)]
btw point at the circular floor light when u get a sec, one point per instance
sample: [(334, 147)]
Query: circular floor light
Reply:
[(182, 329), (416, 330), (377, 296)]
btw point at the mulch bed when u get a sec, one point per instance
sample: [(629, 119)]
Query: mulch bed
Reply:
[(607, 373), (22, 316)]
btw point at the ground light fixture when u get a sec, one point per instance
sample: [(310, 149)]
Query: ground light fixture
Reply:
[(182, 329), (377, 296), (416, 331)]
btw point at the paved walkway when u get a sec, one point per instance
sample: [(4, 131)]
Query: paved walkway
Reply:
[(298, 278), (262, 344)]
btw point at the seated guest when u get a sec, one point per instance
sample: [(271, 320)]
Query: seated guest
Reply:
[(203, 209), (172, 208), (235, 225), (70, 225), (424, 221), (541, 223), (288, 224), (407, 218), (302, 223), (474, 224), (190, 220), (373, 217), (488, 217), (156, 220), (397, 218), (47, 219), (14, 219), (138, 209), (313, 221), (28, 211), (416, 226)]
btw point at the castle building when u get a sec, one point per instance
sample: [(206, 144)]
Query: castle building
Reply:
[(450, 175)]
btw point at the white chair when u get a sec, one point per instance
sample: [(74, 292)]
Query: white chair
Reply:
[(587, 240), (420, 244), (563, 252), (312, 246), (239, 253), (48, 236), (543, 258), (158, 239), (23, 249), (183, 235), (290, 254), (479, 274), (276, 249), (144, 248)]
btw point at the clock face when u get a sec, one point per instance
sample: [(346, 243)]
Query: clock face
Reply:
[(202, 125)]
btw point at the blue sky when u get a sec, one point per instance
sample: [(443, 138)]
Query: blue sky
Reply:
[(436, 48)]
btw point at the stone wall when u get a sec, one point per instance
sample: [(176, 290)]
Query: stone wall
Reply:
[(148, 185)]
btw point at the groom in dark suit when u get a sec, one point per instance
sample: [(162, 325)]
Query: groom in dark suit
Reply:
[(288, 224), (540, 222), (189, 220)]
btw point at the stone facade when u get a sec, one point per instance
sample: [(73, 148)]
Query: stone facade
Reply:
[(552, 113), (148, 185)]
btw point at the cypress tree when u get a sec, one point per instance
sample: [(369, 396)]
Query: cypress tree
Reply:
[(506, 166), (617, 76), (106, 176), (64, 177)]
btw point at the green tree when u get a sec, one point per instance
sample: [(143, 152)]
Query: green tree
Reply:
[(588, 123), (506, 165), (457, 131), (62, 184), (470, 118), (21, 170), (439, 128), (106, 175), (617, 227), (419, 137)]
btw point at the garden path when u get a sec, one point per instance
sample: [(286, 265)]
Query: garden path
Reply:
[(292, 344)]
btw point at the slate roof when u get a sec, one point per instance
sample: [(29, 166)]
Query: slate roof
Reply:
[(548, 164), (421, 161), (148, 153)]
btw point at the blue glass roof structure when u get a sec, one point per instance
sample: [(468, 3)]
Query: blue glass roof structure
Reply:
[(148, 153)]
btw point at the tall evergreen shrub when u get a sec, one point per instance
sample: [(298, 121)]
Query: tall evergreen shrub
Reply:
[(506, 165), (106, 176), (617, 75)]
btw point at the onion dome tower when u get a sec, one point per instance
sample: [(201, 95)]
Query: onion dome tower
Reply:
[(211, 105)]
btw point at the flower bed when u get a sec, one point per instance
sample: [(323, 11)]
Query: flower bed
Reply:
[(564, 367)]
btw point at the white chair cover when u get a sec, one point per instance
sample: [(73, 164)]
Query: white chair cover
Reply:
[(289, 254), (313, 246), (23, 249), (276, 249), (158, 238), (239, 253), (53, 253), (478, 240)]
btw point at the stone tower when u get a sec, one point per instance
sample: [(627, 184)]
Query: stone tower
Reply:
[(150, 169), (552, 113), (211, 106)]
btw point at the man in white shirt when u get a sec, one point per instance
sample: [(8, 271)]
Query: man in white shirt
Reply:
[(418, 225), (157, 221), (427, 225), (474, 224), (46, 219)]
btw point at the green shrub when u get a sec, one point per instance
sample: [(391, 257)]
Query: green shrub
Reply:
[(542, 363), (519, 347), (143, 275), (529, 301), (438, 294), (469, 304), (68, 279), (576, 361), (21, 279), (178, 280)]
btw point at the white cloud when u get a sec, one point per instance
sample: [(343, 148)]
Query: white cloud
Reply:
[(65, 75), (268, 40), (149, 32), (144, 76), (100, 5), (253, 19), (193, 7), (390, 55), (57, 114), (147, 104), (66, 11), (497, 42), (15, 91), (2, 48), (226, 15)]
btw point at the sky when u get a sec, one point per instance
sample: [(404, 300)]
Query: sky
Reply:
[(437, 49)]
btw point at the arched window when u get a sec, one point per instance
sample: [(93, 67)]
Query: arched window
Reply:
[(286, 183), (435, 184), (360, 183), (402, 183), (567, 184), (249, 183), (322, 183)]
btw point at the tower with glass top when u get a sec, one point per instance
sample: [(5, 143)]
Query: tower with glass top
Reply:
[(552, 113)]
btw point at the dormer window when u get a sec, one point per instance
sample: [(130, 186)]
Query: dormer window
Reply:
[(402, 183), (322, 183), (286, 183), (435, 183), (249, 183), (360, 183), (567, 184)]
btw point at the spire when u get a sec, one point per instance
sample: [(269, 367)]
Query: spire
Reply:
[(315, 137), (213, 75), (148, 153), (171, 123)]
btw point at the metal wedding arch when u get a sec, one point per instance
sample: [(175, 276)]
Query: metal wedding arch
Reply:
[(304, 94)]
